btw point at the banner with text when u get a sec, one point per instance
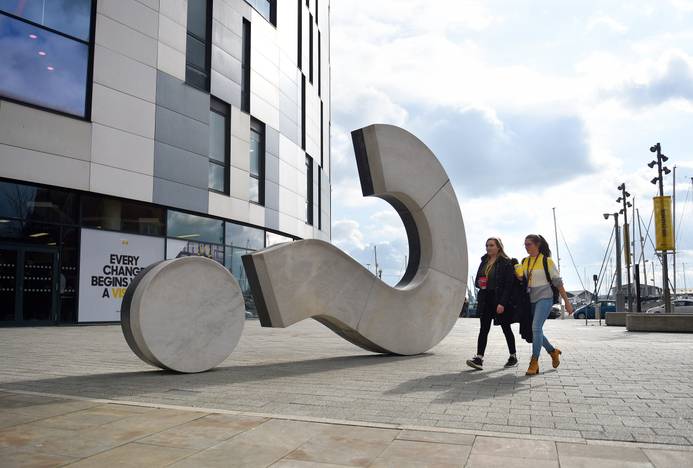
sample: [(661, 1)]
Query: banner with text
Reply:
[(108, 262)]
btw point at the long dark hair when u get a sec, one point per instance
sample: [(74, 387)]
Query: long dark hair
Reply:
[(541, 242)]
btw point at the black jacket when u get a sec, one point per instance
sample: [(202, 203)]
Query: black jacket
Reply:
[(510, 292), (503, 278)]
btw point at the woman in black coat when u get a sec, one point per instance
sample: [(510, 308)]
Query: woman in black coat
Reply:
[(495, 280)]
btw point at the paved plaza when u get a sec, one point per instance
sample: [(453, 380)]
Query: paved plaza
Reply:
[(616, 393)]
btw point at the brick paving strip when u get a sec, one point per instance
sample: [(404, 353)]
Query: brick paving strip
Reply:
[(611, 386)]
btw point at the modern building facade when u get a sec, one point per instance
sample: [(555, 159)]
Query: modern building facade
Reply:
[(137, 130)]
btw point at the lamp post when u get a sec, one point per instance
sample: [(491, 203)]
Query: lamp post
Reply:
[(626, 239), (619, 291), (660, 179)]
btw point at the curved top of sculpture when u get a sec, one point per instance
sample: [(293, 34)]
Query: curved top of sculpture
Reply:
[(312, 278)]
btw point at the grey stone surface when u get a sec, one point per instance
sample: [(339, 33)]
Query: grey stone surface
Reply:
[(178, 195), (175, 95), (185, 314), (178, 165), (675, 323), (182, 131), (313, 278)]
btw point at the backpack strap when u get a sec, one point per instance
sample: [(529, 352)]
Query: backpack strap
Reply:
[(546, 268)]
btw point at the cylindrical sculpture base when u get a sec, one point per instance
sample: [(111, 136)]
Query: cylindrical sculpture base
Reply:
[(184, 315)]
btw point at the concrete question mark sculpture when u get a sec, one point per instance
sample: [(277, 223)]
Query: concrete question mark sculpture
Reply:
[(311, 278), (187, 314)]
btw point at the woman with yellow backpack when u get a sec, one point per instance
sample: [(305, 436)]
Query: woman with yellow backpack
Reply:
[(544, 284)]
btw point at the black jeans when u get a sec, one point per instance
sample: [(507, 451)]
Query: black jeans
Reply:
[(486, 322)]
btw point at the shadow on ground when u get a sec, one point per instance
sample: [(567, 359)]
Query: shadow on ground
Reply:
[(468, 385), (116, 385)]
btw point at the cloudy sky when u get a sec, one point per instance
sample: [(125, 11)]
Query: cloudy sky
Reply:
[(530, 105)]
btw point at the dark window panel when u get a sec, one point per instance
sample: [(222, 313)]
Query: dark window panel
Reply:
[(310, 48), (120, 215), (194, 228), (219, 142), (309, 190), (257, 162), (303, 111), (28, 232), (245, 65), (198, 51), (319, 196), (42, 68), (37, 204)]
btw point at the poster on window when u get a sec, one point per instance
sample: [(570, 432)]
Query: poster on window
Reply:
[(176, 248), (108, 263)]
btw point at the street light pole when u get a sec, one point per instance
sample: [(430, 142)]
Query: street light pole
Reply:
[(626, 238), (619, 280), (660, 179)]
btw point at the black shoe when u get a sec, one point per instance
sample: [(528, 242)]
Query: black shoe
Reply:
[(477, 363), (512, 362)]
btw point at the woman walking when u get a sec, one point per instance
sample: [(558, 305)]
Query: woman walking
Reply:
[(543, 283), (495, 279)]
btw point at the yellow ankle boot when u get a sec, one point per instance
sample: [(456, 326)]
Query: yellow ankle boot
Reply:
[(555, 361), (533, 366)]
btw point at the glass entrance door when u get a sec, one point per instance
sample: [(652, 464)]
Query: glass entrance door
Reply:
[(8, 285), (38, 286), (28, 285)]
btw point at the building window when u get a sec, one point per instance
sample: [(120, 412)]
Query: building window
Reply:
[(257, 162), (310, 48), (244, 237), (322, 134), (319, 198), (299, 56), (113, 214), (194, 228), (309, 190), (32, 203), (219, 146), (245, 65), (197, 50), (45, 54), (303, 111), (267, 8)]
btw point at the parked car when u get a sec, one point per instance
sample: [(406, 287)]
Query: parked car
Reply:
[(678, 306), (587, 311), (555, 311)]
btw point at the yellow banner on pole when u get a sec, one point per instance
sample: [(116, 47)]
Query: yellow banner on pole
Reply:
[(626, 243), (663, 223)]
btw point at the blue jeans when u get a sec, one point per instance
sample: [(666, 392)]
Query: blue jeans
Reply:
[(540, 312)]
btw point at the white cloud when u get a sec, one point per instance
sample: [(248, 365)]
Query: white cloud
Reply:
[(603, 21), (514, 99)]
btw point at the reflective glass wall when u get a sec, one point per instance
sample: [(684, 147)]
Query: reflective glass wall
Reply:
[(44, 52)]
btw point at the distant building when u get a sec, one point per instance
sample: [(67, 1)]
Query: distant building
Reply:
[(645, 290), (135, 131)]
